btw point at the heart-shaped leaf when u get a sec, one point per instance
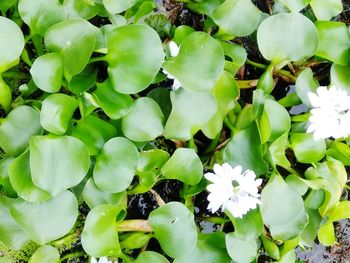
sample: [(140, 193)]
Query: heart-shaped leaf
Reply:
[(57, 162), (116, 165), (49, 220)]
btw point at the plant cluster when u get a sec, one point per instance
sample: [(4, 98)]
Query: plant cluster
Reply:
[(247, 111)]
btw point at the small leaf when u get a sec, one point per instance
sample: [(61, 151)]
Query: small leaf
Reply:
[(340, 77), (116, 7), (250, 226), (197, 49), (241, 251), (57, 162), (49, 220), (295, 5), (306, 83), (326, 234), (326, 9), (116, 165), (47, 72), (46, 254), (170, 224), (144, 121), (4, 177), (277, 150), (306, 148), (150, 257), (5, 96), (184, 165), (56, 113)]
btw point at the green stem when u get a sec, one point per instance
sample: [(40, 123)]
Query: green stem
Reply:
[(247, 84), (256, 64), (213, 144), (228, 123), (134, 225), (15, 75), (97, 59)]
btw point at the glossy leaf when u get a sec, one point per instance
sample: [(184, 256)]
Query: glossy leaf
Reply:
[(190, 112), (250, 226), (84, 80), (46, 254), (326, 234), (74, 39), (197, 49), (57, 162), (47, 72), (326, 9), (16, 130), (306, 83), (11, 45), (49, 220), (228, 17), (282, 209), (306, 148), (289, 36), (100, 237), (184, 165), (144, 121), (115, 7), (333, 41), (151, 257), (135, 54), (241, 251), (56, 113), (170, 224), (116, 165)]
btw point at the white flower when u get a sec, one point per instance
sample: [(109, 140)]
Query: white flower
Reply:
[(231, 190), (330, 116), (174, 51), (101, 260)]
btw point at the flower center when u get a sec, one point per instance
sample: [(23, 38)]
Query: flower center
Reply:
[(235, 185)]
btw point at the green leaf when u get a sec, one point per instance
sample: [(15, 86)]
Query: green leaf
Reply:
[(74, 39), (84, 80), (295, 5), (250, 226), (162, 97), (225, 92), (190, 112), (49, 220), (134, 240), (15, 131), (46, 254), (228, 16), (11, 232), (241, 251), (93, 196), (21, 181), (340, 77), (283, 209), (4, 177), (306, 148), (57, 162), (277, 150), (150, 257), (86, 9), (198, 48), (5, 96), (310, 232), (47, 72), (185, 166), (100, 236), (11, 45), (56, 113), (245, 149), (237, 53), (326, 9), (333, 41), (116, 165), (270, 247), (39, 15), (326, 234), (116, 7), (144, 121), (306, 83), (94, 132), (291, 37), (135, 54), (340, 211), (171, 223), (114, 104), (204, 7)]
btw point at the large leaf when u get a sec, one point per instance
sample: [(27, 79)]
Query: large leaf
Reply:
[(326, 9), (174, 227), (184, 165), (57, 162), (16, 130), (190, 112), (49, 220), (144, 121), (74, 39), (228, 16), (100, 237), (283, 209), (116, 165), (46, 254), (289, 36), (11, 44), (245, 149), (135, 54), (197, 49), (56, 113), (21, 180)]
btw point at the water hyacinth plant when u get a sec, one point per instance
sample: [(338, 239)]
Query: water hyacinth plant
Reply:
[(190, 131)]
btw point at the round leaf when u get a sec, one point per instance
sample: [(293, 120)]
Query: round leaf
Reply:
[(241, 251), (115, 7), (306, 148), (46, 254), (135, 54), (57, 162), (116, 165), (184, 165), (16, 130), (49, 220), (326, 9), (11, 44), (197, 49), (100, 236), (295, 5), (289, 36), (47, 72), (144, 121), (171, 223), (151, 257)]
